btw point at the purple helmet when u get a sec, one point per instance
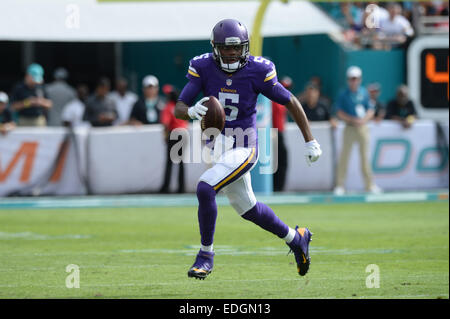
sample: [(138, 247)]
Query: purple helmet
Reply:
[(232, 34)]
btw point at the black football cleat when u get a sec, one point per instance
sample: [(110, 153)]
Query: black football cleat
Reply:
[(202, 266), (300, 247)]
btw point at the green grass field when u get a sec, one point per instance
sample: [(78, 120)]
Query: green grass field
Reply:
[(146, 252)]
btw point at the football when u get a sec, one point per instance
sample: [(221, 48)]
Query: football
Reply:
[(215, 116)]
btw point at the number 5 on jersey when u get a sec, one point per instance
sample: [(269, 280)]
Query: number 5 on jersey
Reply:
[(234, 98)]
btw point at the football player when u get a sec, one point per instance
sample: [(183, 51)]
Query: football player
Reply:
[(236, 79)]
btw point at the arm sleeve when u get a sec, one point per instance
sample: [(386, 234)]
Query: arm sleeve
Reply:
[(189, 92), (268, 84), (277, 93)]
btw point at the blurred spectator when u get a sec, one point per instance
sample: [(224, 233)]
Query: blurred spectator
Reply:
[(6, 120), (315, 108), (428, 8), (358, 23), (171, 123), (60, 93), (148, 108), (72, 114), (444, 9), (124, 100), (317, 81), (431, 17), (29, 98), (394, 30), (100, 108), (348, 15), (373, 14), (374, 90), (401, 108), (352, 106), (278, 122)]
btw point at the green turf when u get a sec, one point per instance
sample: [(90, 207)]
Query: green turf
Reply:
[(146, 252)]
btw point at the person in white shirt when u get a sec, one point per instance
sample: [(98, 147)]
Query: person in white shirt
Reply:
[(395, 29), (124, 101), (72, 113)]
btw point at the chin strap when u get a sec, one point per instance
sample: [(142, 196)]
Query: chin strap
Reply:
[(230, 67)]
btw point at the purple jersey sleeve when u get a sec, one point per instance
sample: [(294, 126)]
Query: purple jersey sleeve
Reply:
[(278, 93), (268, 83), (189, 92), (194, 69), (194, 86)]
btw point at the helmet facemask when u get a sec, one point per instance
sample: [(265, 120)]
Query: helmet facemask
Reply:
[(224, 61)]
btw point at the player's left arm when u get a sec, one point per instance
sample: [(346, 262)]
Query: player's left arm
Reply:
[(298, 114), (273, 90), (313, 150), (276, 92)]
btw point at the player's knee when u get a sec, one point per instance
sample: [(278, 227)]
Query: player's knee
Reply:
[(241, 204), (205, 191)]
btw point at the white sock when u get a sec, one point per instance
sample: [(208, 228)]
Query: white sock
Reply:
[(290, 236), (207, 248)]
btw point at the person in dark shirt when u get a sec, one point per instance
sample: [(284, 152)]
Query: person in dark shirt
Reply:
[(30, 98), (147, 110), (6, 120), (401, 108), (100, 108), (315, 107)]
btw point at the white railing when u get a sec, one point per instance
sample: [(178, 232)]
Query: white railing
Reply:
[(432, 25)]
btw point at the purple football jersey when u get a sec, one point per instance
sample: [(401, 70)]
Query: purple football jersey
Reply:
[(237, 92)]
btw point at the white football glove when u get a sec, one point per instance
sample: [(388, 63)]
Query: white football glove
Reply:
[(198, 110), (313, 152)]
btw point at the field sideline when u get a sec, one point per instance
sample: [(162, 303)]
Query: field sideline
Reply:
[(145, 252)]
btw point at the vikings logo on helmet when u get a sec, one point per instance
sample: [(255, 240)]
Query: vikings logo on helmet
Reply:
[(230, 33)]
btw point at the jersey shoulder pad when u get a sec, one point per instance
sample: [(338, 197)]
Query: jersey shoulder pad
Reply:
[(264, 68), (197, 63)]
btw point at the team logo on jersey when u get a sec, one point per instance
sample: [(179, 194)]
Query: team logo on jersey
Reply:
[(229, 82)]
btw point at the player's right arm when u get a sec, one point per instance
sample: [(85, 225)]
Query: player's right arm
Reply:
[(183, 110)]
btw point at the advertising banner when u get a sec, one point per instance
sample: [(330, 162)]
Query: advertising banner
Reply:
[(120, 160), (320, 175), (402, 159), (41, 162)]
